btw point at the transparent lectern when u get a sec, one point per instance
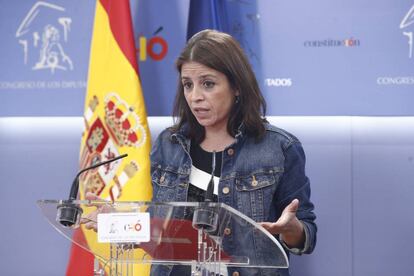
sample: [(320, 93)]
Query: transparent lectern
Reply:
[(199, 235)]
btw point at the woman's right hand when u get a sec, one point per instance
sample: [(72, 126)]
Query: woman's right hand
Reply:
[(91, 220)]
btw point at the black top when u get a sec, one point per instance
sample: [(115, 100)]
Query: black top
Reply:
[(203, 160)]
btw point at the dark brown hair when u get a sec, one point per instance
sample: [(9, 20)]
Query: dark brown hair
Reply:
[(221, 52)]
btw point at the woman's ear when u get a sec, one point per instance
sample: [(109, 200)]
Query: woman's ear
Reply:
[(237, 98)]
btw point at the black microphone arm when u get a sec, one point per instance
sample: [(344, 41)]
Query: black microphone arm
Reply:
[(68, 213), (75, 185), (209, 195)]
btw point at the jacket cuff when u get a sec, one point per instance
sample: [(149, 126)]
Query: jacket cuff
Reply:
[(298, 251)]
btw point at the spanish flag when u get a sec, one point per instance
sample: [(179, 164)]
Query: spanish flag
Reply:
[(115, 123)]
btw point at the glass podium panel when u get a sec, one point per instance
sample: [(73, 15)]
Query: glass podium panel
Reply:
[(201, 235)]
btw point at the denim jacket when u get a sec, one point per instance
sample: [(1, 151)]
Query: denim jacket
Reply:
[(258, 178)]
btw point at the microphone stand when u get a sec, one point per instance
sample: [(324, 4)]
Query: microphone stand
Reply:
[(206, 217), (69, 213)]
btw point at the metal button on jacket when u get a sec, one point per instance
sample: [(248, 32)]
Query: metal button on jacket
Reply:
[(230, 151), (226, 190), (254, 182)]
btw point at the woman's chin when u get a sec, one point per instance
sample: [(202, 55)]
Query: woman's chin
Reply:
[(204, 122)]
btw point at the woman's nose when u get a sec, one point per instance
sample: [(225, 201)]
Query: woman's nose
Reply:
[(197, 94)]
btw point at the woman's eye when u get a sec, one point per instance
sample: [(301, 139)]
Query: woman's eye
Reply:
[(187, 85), (208, 84)]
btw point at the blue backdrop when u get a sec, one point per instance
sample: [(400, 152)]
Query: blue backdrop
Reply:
[(324, 58), (311, 58)]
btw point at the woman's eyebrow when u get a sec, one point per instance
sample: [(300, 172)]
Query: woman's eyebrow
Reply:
[(207, 76)]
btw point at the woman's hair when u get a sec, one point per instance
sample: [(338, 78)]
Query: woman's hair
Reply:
[(221, 52)]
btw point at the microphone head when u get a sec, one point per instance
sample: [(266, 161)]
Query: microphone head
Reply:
[(205, 218), (69, 215)]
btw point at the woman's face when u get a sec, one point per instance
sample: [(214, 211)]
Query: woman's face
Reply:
[(208, 94)]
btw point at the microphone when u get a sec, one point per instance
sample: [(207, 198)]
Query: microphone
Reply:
[(75, 184), (68, 213), (206, 217), (209, 195)]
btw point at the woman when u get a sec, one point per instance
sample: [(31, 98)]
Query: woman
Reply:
[(259, 170)]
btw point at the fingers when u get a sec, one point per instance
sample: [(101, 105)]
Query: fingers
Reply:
[(91, 226), (272, 227), (265, 225), (91, 196), (293, 206), (90, 220), (287, 216)]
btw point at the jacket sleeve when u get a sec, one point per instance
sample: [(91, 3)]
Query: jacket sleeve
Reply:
[(295, 184)]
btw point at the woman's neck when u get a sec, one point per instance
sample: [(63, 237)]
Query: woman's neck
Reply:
[(216, 140)]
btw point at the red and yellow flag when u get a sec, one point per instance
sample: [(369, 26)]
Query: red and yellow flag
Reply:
[(115, 123)]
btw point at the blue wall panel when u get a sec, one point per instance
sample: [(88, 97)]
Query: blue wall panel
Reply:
[(312, 58), (383, 175)]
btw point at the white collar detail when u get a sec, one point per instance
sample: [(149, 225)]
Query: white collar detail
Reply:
[(201, 179)]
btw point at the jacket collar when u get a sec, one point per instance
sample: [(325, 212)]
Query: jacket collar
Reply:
[(182, 134)]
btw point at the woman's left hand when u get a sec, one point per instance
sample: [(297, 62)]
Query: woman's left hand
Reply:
[(288, 226)]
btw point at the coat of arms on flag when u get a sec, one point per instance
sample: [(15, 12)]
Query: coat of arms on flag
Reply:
[(119, 127)]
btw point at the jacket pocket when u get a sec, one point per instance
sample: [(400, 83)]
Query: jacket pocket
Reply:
[(254, 192), (164, 182)]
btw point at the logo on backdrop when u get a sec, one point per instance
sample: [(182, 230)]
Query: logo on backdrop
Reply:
[(278, 82), (407, 21), (397, 80), (43, 35), (407, 28), (155, 47), (348, 42)]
